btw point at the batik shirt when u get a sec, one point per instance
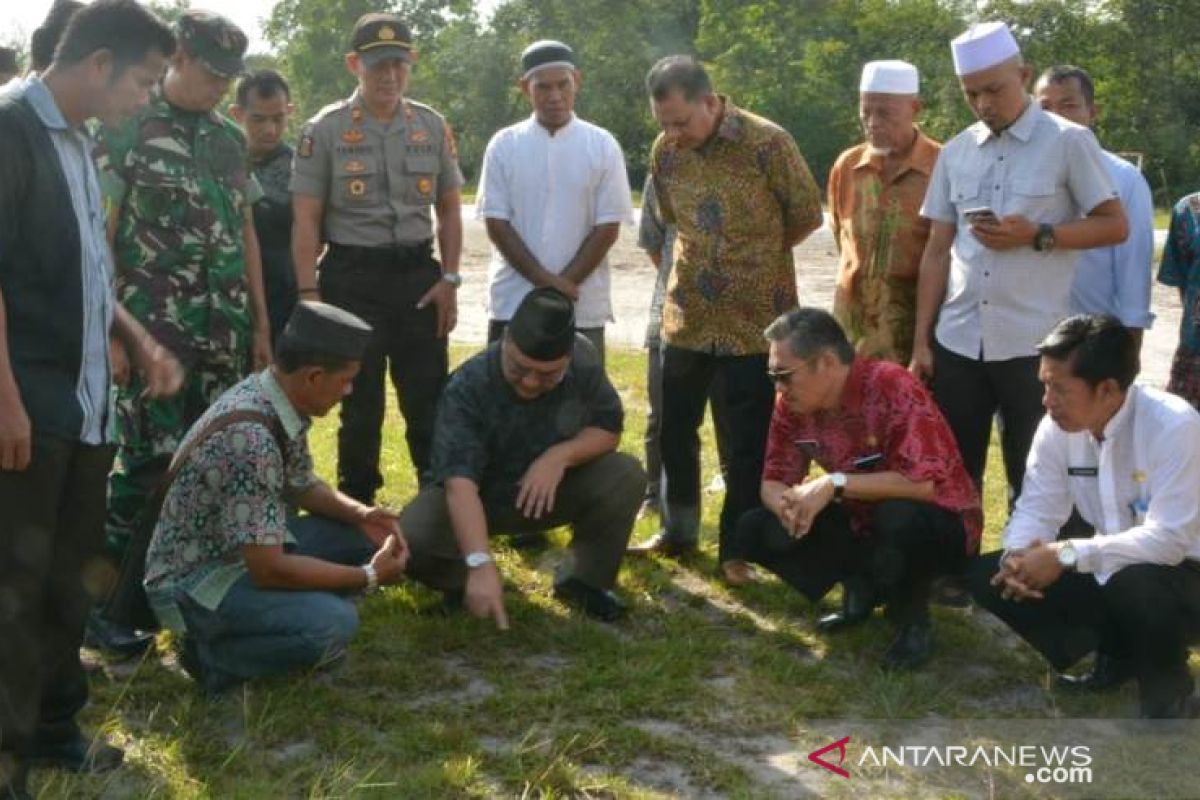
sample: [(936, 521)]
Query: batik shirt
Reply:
[(179, 185), (232, 491), (1181, 268), (886, 421), (881, 235), (733, 201)]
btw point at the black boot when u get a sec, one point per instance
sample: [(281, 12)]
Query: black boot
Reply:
[(858, 601), (912, 646), (1108, 673), (114, 639)]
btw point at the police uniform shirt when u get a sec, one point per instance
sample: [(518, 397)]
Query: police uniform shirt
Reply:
[(1136, 487), (376, 179)]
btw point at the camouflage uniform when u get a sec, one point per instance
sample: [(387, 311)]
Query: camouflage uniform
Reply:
[(179, 185)]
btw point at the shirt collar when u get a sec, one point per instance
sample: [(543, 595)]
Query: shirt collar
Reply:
[(1021, 129), (730, 126), (1123, 415), (44, 104), (921, 158), (294, 423), (569, 127), (852, 390), (281, 150)]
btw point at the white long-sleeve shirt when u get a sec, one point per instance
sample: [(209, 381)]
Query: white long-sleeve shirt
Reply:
[(1139, 487)]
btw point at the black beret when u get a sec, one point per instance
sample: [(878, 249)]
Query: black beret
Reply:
[(546, 53), (543, 326), (326, 329)]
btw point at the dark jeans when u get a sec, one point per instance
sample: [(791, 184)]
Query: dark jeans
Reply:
[(970, 392), (279, 284), (257, 632), (1148, 613), (746, 399), (651, 441), (909, 545), (594, 335), (51, 544), (599, 500), (383, 287)]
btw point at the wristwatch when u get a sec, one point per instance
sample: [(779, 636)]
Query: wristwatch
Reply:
[(478, 559), (1043, 240), (1068, 556), (838, 479), (452, 278), (372, 577)]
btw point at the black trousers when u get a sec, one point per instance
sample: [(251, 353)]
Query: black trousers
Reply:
[(594, 335), (909, 545), (51, 547), (970, 392), (383, 286), (743, 410), (1147, 613)]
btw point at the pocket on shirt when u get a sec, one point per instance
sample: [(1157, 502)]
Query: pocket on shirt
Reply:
[(420, 179), (358, 183), (1036, 197), (966, 191), (161, 201)]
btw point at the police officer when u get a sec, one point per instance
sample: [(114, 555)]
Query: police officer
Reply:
[(366, 172)]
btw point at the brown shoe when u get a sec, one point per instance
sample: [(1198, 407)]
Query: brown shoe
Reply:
[(737, 573), (660, 545)]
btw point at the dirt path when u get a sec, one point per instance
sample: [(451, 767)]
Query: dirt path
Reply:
[(816, 265)]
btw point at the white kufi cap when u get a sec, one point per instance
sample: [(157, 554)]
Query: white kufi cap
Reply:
[(890, 77), (984, 45)]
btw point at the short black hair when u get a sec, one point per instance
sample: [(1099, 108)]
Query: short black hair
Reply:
[(1065, 72), (266, 83), (291, 355), (47, 36), (809, 331), (1097, 347), (126, 28), (682, 73)]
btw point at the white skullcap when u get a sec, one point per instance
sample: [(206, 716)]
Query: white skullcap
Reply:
[(890, 77), (984, 45)]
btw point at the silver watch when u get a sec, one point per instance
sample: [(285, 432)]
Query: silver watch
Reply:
[(478, 559), (452, 278), (1068, 556), (372, 577)]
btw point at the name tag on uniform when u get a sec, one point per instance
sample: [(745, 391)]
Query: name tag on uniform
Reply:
[(808, 446), (1083, 472), (867, 462)]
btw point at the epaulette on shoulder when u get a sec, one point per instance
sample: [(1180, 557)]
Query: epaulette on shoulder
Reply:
[(418, 106), (332, 108)]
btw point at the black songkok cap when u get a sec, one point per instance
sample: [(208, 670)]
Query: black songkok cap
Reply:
[(546, 53), (326, 329), (543, 326)]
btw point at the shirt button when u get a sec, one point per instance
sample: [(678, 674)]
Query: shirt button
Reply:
[(997, 187), (985, 302), (987, 274)]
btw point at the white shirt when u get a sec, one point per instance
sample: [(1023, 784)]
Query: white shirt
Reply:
[(1000, 304), (1139, 487), (553, 190), (1116, 280)]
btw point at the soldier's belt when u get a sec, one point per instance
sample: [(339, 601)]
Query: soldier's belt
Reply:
[(417, 254)]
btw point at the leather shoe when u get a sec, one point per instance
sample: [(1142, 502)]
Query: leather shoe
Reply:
[(598, 603), (858, 601), (211, 682), (911, 648), (736, 572), (660, 545), (77, 755), (1108, 673), (114, 639)]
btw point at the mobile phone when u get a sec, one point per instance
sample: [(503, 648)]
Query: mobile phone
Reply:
[(981, 214)]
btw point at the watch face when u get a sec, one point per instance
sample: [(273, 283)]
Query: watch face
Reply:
[(478, 559)]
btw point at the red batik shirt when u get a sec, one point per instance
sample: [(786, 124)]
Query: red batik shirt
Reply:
[(887, 413)]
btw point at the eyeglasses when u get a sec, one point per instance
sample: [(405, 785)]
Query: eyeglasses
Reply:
[(780, 376)]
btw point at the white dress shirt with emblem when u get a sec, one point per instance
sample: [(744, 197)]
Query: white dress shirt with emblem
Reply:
[(1139, 487), (553, 189)]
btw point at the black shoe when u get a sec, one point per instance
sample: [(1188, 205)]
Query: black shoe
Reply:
[(950, 591), (911, 648), (211, 682), (858, 601), (113, 638), (598, 603), (77, 755), (1108, 673), (660, 544)]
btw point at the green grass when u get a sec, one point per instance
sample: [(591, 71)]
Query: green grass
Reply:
[(559, 706)]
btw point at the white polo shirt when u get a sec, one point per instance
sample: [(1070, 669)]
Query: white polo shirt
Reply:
[(553, 189), (1000, 304)]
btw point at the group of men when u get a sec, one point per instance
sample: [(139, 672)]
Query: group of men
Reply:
[(257, 287)]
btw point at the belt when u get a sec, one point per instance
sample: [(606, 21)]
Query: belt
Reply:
[(387, 255)]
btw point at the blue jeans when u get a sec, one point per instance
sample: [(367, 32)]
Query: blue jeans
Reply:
[(258, 632)]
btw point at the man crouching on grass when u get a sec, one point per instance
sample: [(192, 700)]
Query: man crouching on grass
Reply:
[(525, 441), (254, 591)]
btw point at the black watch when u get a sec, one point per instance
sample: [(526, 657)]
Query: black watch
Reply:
[(1043, 240)]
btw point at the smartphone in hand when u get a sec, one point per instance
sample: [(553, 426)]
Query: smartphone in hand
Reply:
[(980, 214)]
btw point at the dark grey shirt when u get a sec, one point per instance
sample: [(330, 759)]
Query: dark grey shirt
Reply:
[(486, 433)]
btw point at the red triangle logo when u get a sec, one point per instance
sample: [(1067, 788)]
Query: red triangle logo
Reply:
[(840, 746)]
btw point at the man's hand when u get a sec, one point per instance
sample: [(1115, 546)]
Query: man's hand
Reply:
[(377, 524), (538, 485), (802, 503), (485, 595), (161, 371), (564, 285), (16, 436), (1006, 233), (1039, 566), (921, 365), (390, 560), (118, 358), (444, 297), (262, 347)]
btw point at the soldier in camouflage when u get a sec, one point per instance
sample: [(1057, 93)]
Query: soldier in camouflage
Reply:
[(187, 260), (368, 170)]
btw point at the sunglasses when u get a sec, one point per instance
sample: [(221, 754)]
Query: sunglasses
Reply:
[(780, 376)]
